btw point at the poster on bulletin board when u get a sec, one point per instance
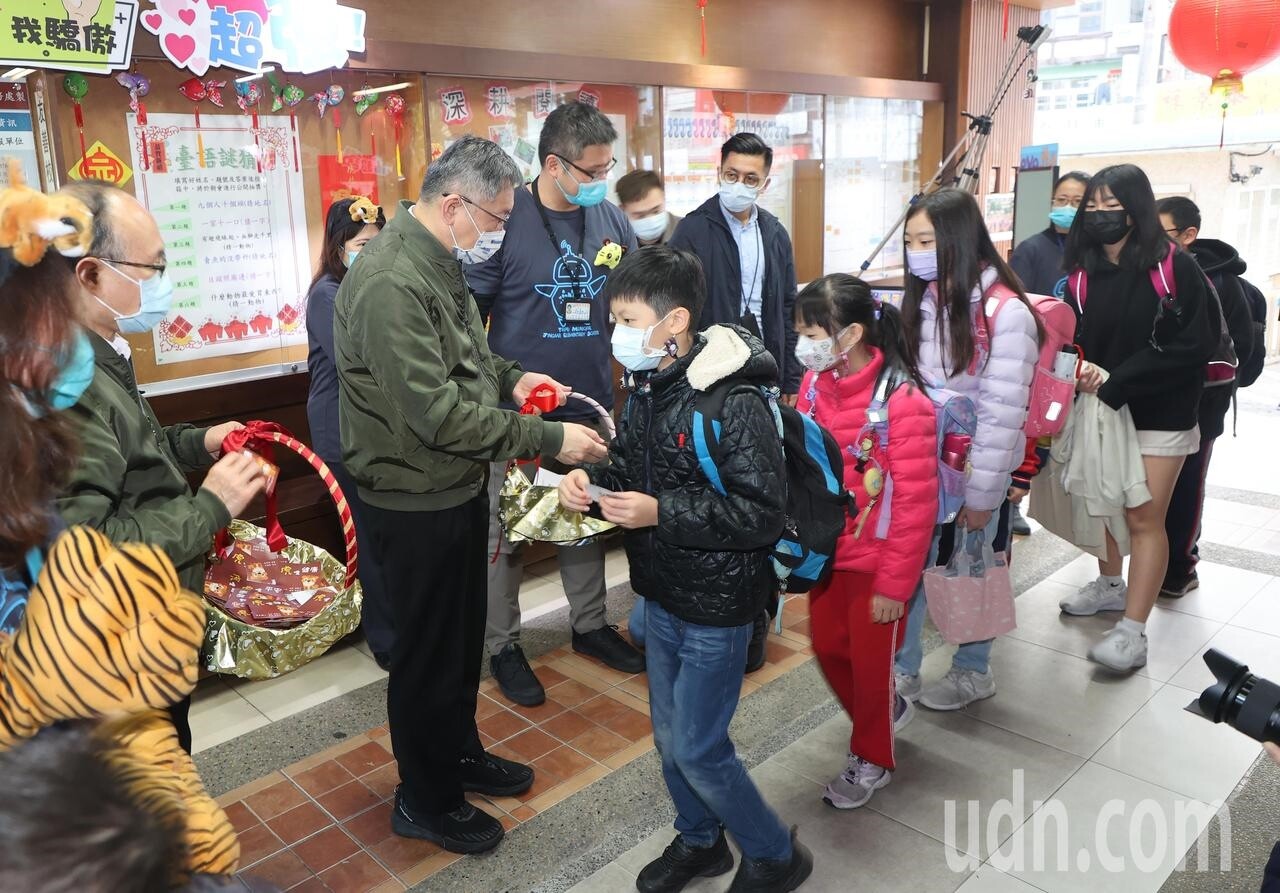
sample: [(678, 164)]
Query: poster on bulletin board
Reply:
[(353, 176), (229, 203)]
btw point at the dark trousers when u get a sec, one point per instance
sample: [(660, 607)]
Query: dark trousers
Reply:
[(433, 564), (1186, 506), (375, 617)]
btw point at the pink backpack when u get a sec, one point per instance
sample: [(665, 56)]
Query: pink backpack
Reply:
[(1054, 387), (1220, 371)]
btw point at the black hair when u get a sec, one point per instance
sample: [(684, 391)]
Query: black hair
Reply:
[(73, 821), (339, 229), (747, 144), (1182, 210), (964, 250), (636, 185), (1147, 243), (660, 277), (1079, 176), (571, 128), (839, 300)]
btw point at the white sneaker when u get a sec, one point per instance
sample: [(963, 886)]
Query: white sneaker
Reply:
[(908, 686), (854, 786), (958, 689), (903, 712), (1093, 597), (1120, 650)]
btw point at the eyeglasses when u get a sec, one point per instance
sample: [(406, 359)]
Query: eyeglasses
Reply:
[(1066, 202), (159, 268), (1174, 232), (498, 217), (594, 175), (751, 181)]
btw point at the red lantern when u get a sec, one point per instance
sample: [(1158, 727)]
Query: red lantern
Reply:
[(1225, 39)]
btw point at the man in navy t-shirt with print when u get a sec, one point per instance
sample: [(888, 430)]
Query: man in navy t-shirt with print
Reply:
[(541, 293)]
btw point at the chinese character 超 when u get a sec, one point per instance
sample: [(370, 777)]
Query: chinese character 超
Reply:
[(236, 38)]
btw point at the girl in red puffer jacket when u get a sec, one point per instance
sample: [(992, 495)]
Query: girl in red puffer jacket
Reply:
[(851, 345)]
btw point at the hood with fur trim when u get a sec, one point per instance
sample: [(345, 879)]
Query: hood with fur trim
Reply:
[(730, 351)]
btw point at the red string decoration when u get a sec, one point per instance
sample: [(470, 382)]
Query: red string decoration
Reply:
[(1005, 15), (702, 12)]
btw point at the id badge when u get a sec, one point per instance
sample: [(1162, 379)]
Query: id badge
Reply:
[(578, 312), (751, 324)]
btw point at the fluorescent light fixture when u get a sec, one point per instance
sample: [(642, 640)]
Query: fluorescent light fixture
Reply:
[(14, 74), (254, 77), (373, 91)]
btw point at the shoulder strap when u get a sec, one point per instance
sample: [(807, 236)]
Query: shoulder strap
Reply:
[(992, 303), (1162, 279), (708, 408), (886, 384)]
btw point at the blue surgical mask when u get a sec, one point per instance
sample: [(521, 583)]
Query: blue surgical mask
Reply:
[(155, 297), (351, 257), (75, 373), (737, 197), (924, 264), (1062, 218), (589, 194), (631, 347)]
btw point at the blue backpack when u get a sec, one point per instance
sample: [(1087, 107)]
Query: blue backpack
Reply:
[(15, 591), (817, 503)]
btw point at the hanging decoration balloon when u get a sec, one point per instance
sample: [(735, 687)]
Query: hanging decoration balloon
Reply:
[(138, 85), (363, 103), (1225, 41), (198, 91), (248, 97), (395, 111), (331, 97), (77, 87)]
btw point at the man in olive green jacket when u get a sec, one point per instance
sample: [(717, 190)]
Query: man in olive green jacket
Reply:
[(130, 482), (418, 411)]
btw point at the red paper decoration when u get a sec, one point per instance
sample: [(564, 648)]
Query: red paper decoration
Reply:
[(702, 12), (1225, 39)]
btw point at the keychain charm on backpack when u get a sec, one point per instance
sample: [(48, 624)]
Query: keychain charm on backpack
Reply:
[(873, 483)]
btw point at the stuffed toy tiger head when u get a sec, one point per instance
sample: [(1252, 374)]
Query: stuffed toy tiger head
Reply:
[(31, 221)]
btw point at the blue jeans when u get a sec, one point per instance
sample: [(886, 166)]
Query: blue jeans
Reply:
[(974, 656), (695, 675), (635, 622)]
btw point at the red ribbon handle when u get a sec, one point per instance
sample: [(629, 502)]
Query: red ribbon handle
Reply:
[(257, 438), (544, 398)]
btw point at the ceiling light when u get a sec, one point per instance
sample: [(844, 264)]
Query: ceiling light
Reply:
[(373, 91), (254, 77)]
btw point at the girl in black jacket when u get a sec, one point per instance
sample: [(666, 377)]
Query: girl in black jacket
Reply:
[(1149, 358)]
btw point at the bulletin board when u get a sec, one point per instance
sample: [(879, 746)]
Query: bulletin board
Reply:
[(368, 140)]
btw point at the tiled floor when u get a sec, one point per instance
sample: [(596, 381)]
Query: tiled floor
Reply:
[(325, 822), (1078, 738)]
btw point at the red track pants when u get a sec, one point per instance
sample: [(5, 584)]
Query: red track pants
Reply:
[(856, 656)]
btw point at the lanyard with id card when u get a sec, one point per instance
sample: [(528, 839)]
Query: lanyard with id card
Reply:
[(578, 311)]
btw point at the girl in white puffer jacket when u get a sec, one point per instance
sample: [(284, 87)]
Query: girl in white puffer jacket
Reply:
[(991, 359)]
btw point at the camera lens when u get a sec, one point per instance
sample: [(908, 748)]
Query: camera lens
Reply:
[(1247, 703)]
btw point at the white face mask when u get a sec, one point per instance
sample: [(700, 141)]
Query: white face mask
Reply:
[(820, 354), (486, 246), (737, 197), (631, 347), (651, 227)]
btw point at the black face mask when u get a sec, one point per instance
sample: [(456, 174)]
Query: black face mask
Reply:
[(1107, 227)]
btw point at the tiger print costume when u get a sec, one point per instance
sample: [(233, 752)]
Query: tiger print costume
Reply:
[(108, 632)]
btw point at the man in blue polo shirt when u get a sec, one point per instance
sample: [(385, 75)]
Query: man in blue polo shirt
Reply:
[(541, 293)]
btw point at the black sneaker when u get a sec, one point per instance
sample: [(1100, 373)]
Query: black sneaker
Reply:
[(607, 646), (515, 677), (494, 776), (680, 863), (1018, 525), (1178, 585), (774, 876), (465, 830), (759, 635)]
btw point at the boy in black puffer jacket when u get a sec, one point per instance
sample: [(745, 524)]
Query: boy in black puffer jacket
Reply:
[(701, 560)]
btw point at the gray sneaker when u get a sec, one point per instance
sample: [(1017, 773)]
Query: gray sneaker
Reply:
[(958, 689), (903, 712), (854, 786), (1093, 597), (1120, 650), (908, 686)]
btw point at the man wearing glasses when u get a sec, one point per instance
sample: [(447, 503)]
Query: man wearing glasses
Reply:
[(747, 256), (130, 482), (541, 294)]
